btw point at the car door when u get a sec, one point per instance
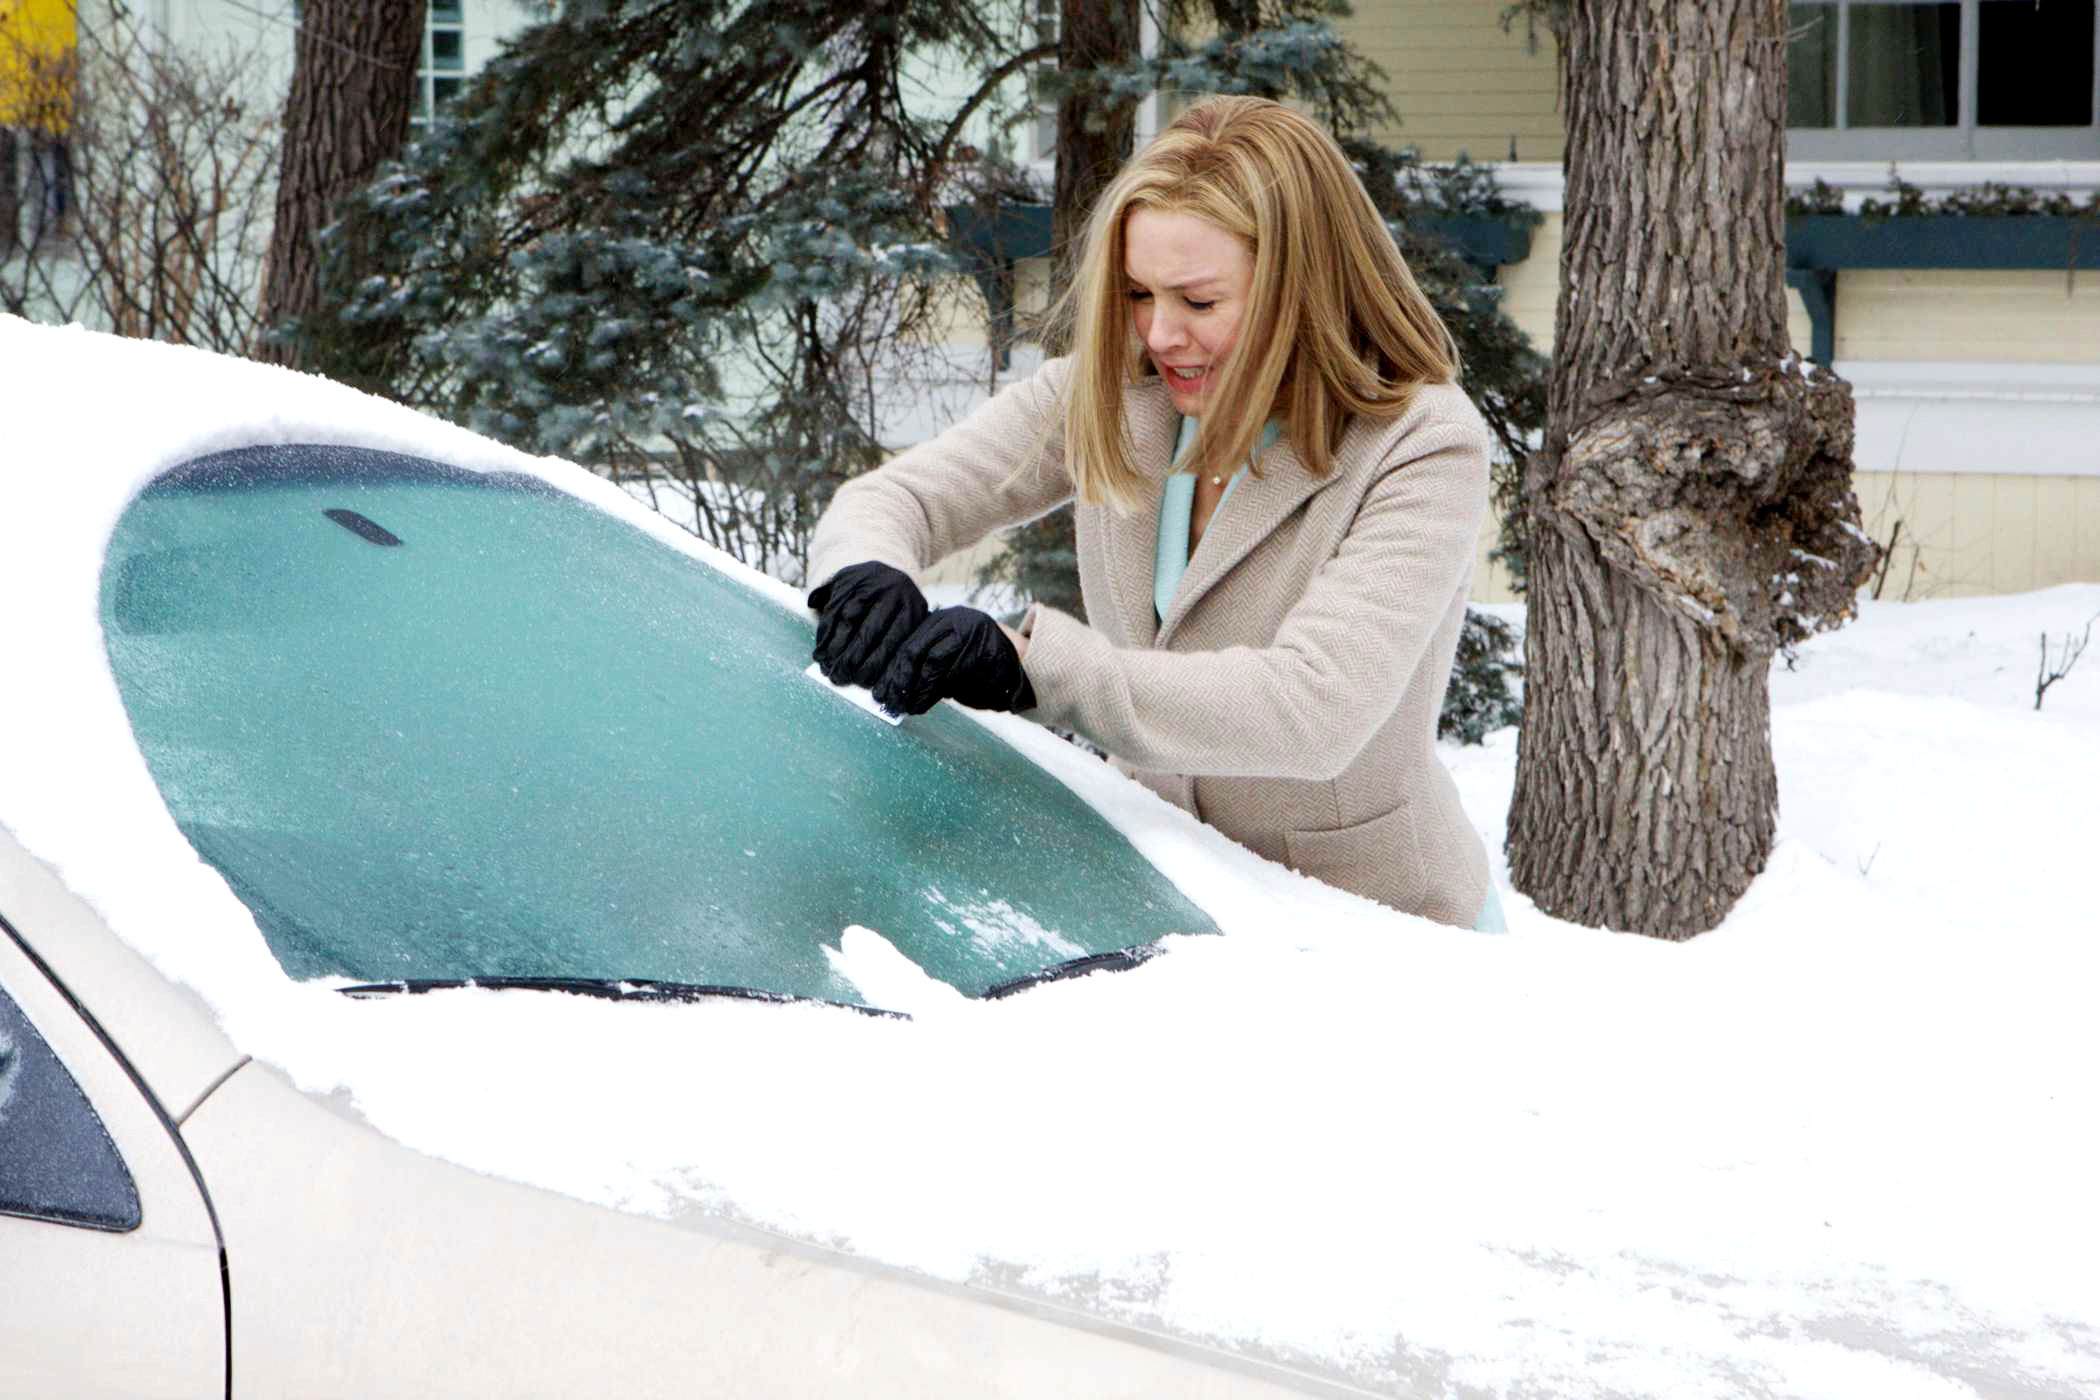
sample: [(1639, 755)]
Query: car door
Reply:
[(109, 1258)]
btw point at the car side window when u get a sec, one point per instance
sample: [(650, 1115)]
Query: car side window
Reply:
[(57, 1162)]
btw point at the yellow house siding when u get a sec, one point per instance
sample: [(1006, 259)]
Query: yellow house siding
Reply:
[(1974, 533), (1458, 81), (2085, 528), (1937, 563), (2032, 317), (2013, 540), (956, 317), (2059, 513), (1490, 581), (1530, 287), (1970, 551)]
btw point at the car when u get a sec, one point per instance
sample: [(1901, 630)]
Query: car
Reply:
[(384, 714), (384, 1009)]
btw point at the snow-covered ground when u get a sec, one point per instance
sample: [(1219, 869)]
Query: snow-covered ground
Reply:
[(1845, 1145)]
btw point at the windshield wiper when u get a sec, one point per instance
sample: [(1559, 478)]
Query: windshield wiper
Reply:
[(650, 989), (1117, 960), (609, 988)]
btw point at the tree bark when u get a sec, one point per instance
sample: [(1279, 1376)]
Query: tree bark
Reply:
[(10, 196), (1094, 134), (1094, 138), (1692, 508), (353, 90)]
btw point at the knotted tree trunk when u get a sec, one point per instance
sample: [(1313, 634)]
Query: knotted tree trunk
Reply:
[(353, 89), (1692, 508)]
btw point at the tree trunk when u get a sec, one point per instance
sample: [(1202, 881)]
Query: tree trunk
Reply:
[(1094, 138), (1692, 508), (10, 194), (1094, 135), (353, 89)]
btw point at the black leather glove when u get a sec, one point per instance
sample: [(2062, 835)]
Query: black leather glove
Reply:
[(864, 613), (957, 654)]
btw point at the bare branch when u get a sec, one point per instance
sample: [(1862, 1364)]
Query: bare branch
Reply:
[(167, 155), (2067, 656), (1024, 59)]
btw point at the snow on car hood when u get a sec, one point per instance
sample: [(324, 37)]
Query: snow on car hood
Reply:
[(1560, 1161)]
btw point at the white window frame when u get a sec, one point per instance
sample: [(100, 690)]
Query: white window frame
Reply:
[(428, 74), (1043, 16), (1965, 140)]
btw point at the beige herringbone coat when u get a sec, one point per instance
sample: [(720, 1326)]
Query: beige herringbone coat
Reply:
[(1290, 695)]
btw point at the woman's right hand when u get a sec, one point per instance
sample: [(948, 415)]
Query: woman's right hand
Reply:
[(864, 613)]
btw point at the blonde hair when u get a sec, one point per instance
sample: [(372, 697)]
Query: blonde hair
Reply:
[(1334, 324)]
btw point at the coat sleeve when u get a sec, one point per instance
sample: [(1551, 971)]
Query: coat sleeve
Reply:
[(999, 466), (1305, 705)]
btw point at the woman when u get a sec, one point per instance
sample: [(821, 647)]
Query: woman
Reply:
[(1278, 493)]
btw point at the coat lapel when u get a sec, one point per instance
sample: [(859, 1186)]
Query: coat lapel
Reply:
[(1256, 507), (1131, 538)]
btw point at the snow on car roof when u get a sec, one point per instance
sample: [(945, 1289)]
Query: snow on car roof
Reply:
[(1841, 1146)]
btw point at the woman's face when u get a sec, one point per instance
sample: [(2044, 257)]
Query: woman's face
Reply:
[(1188, 290)]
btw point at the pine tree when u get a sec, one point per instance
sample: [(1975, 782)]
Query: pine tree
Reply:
[(698, 245), (690, 244)]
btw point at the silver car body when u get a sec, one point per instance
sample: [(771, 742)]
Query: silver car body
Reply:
[(287, 1248)]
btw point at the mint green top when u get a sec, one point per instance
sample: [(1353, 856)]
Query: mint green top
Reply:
[(1177, 503)]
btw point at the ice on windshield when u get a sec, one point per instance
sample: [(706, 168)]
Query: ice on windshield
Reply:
[(434, 724)]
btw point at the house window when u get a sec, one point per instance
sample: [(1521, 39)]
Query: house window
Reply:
[(444, 68), (2036, 64), (1943, 79)]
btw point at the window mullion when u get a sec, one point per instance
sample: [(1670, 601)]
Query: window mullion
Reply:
[(2096, 64), (1843, 114), (1965, 102)]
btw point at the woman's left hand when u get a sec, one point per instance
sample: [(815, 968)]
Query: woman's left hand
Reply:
[(957, 654)]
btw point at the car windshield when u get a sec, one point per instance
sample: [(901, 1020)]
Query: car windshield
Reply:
[(432, 724)]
